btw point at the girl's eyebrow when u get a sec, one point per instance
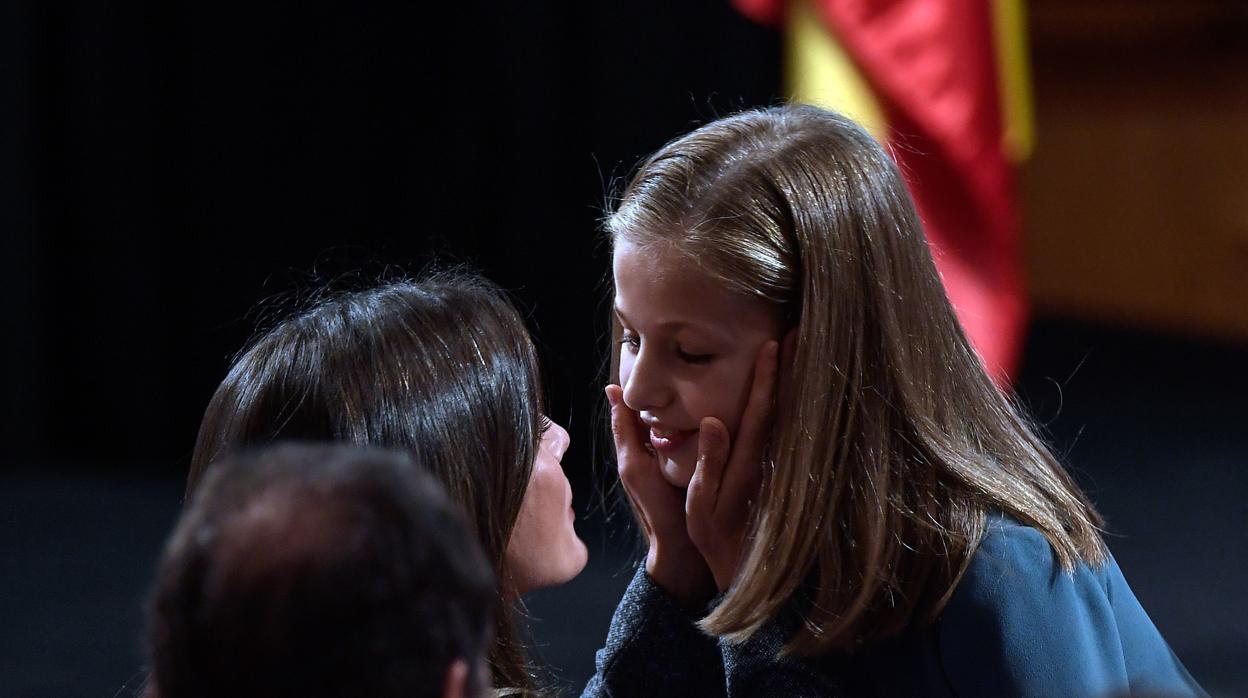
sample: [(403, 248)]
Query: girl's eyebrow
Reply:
[(676, 325)]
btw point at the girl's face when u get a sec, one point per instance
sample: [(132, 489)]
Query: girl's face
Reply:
[(544, 549), (687, 351)]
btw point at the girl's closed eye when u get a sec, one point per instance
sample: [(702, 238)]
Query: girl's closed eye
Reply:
[(632, 343), (693, 358)]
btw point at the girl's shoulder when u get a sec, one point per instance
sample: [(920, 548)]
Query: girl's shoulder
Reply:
[(1014, 594), (1012, 553), (1018, 623)]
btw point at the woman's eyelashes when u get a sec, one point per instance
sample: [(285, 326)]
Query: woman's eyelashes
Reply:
[(546, 425), (632, 344)]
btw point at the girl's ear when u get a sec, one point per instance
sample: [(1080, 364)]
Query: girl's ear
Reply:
[(788, 348), (788, 361)]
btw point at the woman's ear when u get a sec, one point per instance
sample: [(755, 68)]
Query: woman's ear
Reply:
[(456, 679)]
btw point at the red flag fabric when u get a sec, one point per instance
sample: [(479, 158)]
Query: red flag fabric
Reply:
[(932, 65)]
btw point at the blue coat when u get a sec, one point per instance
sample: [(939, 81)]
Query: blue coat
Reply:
[(1016, 625)]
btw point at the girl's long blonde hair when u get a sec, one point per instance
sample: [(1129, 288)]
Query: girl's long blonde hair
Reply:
[(894, 445)]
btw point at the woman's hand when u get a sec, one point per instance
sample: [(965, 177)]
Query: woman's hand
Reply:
[(673, 561), (728, 476)]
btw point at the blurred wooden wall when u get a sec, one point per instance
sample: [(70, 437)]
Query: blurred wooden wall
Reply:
[(1136, 197)]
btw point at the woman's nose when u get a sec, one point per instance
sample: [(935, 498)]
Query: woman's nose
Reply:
[(561, 440)]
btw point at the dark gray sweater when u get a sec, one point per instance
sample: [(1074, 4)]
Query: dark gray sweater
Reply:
[(654, 648)]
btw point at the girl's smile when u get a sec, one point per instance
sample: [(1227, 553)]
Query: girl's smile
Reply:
[(673, 448)]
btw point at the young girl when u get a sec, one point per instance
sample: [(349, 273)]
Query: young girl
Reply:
[(889, 518), (443, 370)]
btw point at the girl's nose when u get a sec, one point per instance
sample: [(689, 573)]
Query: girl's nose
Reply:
[(645, 388)]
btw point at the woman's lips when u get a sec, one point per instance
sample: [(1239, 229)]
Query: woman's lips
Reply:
[(669, 440)]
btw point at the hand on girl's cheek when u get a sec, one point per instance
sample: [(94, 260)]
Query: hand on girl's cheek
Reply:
[(721, 394)]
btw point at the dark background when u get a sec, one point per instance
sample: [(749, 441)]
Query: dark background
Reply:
[(181, 170)]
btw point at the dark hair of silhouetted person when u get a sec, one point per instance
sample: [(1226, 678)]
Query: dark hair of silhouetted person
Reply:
[(318, 570), (442, 369)]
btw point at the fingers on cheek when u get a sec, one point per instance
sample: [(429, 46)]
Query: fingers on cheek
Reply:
[(713, 439), (631, 475), (699, 528)]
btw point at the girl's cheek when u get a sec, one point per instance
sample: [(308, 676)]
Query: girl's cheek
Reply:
[(732, 394)]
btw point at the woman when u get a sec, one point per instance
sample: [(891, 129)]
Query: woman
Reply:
[(445, 370)]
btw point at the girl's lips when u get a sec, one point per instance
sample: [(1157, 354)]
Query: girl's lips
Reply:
[(669, 440)]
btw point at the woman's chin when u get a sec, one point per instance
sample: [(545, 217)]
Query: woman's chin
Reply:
[(563, 566), (569, 568), (676, 473)]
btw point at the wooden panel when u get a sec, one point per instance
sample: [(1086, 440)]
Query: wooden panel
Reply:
[(1136, 199)]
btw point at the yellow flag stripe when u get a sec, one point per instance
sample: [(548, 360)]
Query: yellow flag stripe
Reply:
[(1018, 129), (819, 72)]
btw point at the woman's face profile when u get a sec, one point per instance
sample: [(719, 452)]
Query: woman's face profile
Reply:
[(544, 549), (687, 351)]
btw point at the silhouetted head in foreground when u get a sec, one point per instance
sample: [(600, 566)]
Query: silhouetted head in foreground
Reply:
[(318, 570)]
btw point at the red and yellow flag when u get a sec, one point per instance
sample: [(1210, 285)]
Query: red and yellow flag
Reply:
[(943, 82)]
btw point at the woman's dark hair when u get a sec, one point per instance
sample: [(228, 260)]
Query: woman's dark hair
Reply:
[(442, 369), (318, 570)]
